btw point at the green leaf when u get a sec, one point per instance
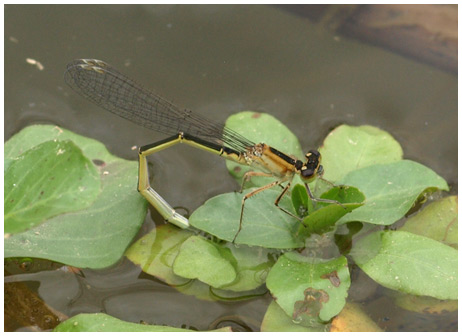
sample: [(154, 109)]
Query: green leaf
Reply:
[(263, 223), (96, 236), (300, 200), (309, 289), (106, 323), (47, 180), (261, 127), (252, 266), (409, 263), (390, 190), (31, 136), (156, 251), (201, 259), (344, 194), (438, 221), (324, 218), (276, 319), (349, 148)]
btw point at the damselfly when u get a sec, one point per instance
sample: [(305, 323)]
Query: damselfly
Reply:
[(113, 91)]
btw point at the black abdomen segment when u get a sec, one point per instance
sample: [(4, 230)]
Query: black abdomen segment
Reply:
[(283, 156)]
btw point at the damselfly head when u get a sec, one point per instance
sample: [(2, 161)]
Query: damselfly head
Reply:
[(312, 167)]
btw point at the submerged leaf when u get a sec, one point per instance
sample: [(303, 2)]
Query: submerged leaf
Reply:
[(353, 319), (424, 304), (438, 221)]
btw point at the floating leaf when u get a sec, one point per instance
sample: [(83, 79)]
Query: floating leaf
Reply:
[(31, 136), (409, 263), (390, 190), (156, 251), (96, 236), (438, 221), (309, 289), (263, 223), (47, 180), (199, 258), (349, 148), (252, 266), (106, 323)]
